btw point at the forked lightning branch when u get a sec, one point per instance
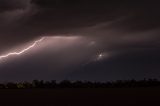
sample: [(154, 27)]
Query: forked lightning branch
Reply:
[(22, 51)]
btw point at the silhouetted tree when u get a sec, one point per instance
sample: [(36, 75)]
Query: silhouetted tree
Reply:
[(65, 84), (2, 86), (81, 84), (11, 85)]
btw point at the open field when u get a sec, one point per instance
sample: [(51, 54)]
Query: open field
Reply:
[(80, 97)]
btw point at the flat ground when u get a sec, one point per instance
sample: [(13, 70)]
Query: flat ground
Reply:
[(80, 97)]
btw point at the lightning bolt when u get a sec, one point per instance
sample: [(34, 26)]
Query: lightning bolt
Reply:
[(22, 51)]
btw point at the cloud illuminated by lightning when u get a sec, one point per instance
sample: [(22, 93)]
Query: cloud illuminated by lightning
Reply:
[(24, 50)]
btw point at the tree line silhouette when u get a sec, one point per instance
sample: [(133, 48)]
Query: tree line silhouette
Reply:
[(81, 84)]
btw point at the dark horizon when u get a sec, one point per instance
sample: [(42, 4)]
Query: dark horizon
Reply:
[(53, 84)]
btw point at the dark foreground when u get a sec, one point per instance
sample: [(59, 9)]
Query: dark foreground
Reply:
[(80, 97)]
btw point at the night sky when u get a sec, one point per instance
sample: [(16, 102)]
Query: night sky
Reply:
[(95, 40)]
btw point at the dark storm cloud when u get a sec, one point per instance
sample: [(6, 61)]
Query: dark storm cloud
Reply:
[(119, 28), (10, 5), (139, 64), (31, 18)]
